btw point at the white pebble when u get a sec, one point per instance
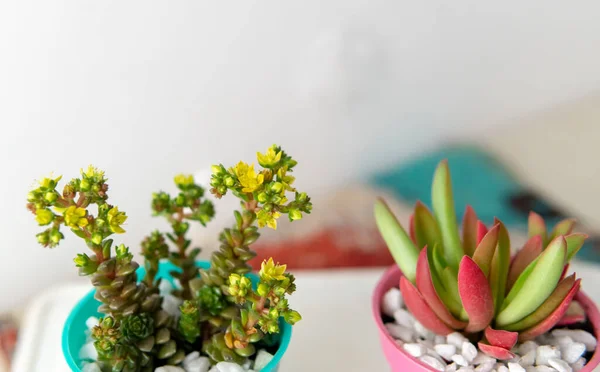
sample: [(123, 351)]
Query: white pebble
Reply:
[(415, 350), (528, 359), (578, 335), (423, 332), (247, 364), (427, 343), (165, 287), (578, 365), (481, 358), (169, 369), (485, 367), (432, 352), (532, 368), (229, 367), (456, 339), (450, 367), (560, 365), (460, 360), (391, 301), (433, 362), (469, 351), (572, 352), (544, 368), (446, 351), (546, 352), (171, 305), (91, 322), (404, 318), (88, 352), (527, 346), (515, 367), (439, 340), (91, 367), (399, 332), (465, 369), (502, 368), (262, 359), (193, 362), (562, 341)]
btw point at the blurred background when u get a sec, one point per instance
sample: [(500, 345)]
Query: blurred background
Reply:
[(366, 95)]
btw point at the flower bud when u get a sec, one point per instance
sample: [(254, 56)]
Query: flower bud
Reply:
[(295, 214), (85, 185), (97, 238), (50, 197), (229, 181), (277, 187), (262, 197)]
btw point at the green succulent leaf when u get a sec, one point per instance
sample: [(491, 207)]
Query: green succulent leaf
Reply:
[(500, 265), (427, 232), (516, 288), (537, 226), (401, 247), (564, 227), (443, 207), (540, 284), (574, 244)]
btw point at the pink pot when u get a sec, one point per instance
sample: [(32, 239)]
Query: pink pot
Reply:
[(400, 361)]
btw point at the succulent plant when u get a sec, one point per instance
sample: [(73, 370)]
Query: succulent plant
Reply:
[(473, 285), (222, 314)]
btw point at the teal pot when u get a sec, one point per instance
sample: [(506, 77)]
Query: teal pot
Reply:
[(74, 332)]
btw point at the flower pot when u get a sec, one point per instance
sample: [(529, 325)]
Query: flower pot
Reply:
[(74, 331), (399, 360)]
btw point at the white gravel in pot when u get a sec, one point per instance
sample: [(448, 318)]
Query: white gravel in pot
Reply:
[(561, 350)]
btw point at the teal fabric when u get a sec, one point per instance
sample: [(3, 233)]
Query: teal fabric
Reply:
[(477, 180)]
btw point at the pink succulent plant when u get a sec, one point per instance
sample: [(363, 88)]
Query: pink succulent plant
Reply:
[(472, 285)]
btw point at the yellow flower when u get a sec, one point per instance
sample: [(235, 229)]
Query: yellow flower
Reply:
[(267, 219), (75, 217), (270, 158), (248, 178), (184, 180), (285, 179), (269, 270), (44, 216), (92, 172), (115, 220), (49, 182)]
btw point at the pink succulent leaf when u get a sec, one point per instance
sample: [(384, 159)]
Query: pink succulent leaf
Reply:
[(565, 270), (501, 338), (420, 310), (469, 231), (411, 229), (549, 322), (485, 250), (481, 231), (530, 251), (495, 351), (537, 226), (427, 289), (475, 294), (574, 314)]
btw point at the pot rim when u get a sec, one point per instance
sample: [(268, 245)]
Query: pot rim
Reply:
[(164, 268), (590, 308)]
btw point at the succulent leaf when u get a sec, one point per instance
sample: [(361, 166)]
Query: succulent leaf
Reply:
[(400, 245), (539, 285), (544, 310), (411, 229), (519, 283), (481, 231), (428, 291), (549, 322), (427, 232), (564, 227), (537, 226), (420, 310), (495, 351), (450, 280), (574, 244), (501, 338), (475, 294), (443, 207), (469, 226), (530, 251), (500, 264), (574, 314), (485, 250)]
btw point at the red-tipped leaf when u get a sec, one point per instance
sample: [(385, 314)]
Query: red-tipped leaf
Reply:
[(549, 322), (427, 289), (537, 226), (469, 226), (475, 294), (565, 270), (495, 351), (501, 338), (420, 310), (485, 250), (411, 229), (481, 231), (530, 251)]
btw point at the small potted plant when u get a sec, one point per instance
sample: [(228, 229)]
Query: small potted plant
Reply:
[(466, 303), (176, 313)]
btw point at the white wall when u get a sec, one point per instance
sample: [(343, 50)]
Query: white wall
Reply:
[(147, 89)]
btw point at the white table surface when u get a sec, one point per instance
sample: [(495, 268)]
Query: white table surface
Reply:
[(336, 334)]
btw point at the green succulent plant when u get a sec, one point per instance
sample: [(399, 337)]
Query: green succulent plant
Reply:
[(222, 315), (471, 283)]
